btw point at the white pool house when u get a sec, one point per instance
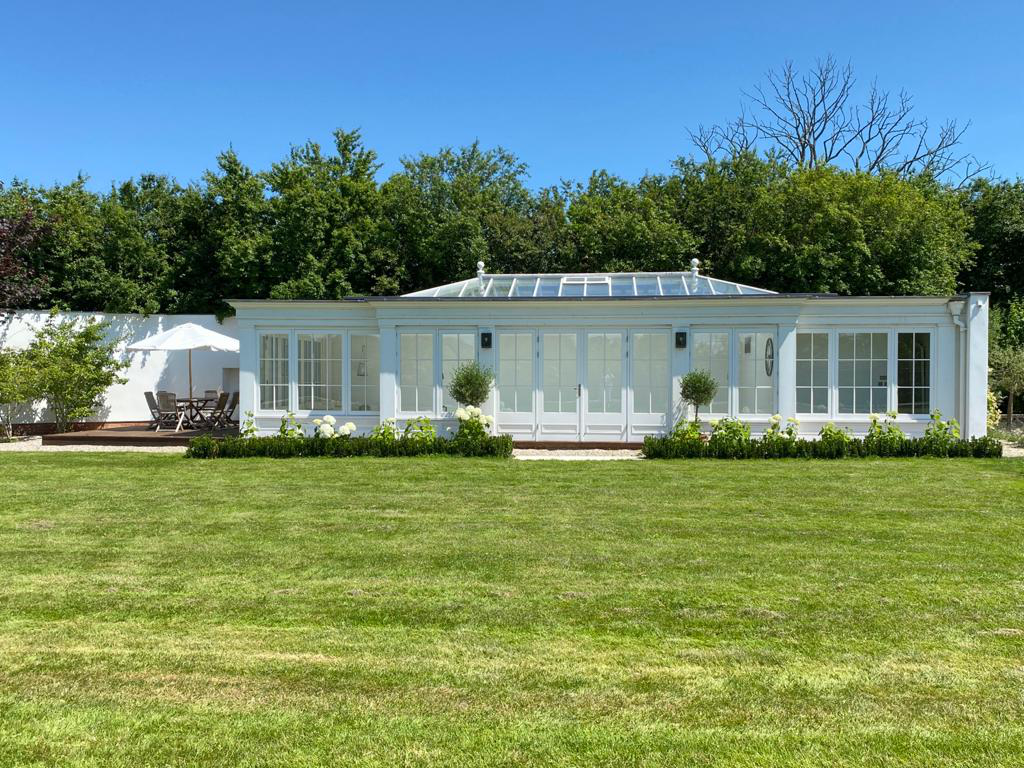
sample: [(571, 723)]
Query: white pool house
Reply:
[(597, 358)]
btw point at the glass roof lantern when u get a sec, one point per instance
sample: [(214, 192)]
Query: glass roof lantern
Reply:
[(589, 285)]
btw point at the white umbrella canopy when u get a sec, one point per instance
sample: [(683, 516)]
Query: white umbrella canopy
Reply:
[(187, 336)]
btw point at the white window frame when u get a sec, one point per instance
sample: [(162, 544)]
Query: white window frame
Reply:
[(295, 383), (258, 399), (731, 396), (892, 362), (439, 364), (347, 350), (733, 399), (437, 411), (832, 366), (293, 369), (631, 370), (890, 389), (734, 371), (535, 360)]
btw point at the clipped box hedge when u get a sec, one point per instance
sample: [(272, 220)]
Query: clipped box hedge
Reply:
[(671, 447), (280, 447)]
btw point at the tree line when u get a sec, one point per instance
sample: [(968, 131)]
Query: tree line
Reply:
[(319, 225)]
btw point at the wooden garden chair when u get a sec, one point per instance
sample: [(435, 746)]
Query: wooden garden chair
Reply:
[(170, 413)]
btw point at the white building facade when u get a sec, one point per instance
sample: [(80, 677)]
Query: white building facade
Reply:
[(598, 358)]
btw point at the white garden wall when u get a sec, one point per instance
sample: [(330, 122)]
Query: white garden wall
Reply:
[(147, 371)]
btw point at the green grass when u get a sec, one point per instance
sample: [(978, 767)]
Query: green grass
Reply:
[(446, 612)]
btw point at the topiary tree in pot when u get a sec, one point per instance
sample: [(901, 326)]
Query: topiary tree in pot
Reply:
[(698, 388), (471, 384)]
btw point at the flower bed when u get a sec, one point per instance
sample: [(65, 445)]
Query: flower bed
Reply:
[(730, 439), (419, 438)]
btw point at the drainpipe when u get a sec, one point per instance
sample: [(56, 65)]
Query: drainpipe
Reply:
[(956, 309)]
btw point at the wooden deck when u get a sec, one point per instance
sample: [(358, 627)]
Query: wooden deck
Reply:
[(134, 436)]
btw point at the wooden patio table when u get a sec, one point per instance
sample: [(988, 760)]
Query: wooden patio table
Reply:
[(193, 407)]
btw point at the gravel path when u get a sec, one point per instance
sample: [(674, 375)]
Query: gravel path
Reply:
[(1011, 451), (30, 444), (581, 454)]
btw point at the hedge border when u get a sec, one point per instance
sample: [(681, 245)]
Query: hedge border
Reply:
[(280, 447), (675, 448)]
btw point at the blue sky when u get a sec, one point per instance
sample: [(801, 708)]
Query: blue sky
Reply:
[(116, 89)]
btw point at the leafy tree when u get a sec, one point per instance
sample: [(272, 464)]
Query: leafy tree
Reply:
[(617, 226), (20, 285), (698, 388), (822, 229), (995, 212), (1007, 364), (324, 219), (733, 207), (445, 212), (236, 249), (17, 387), (74, 365)]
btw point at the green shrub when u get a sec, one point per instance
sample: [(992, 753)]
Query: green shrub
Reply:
[(834, 443), (202, 447), (778, 442), (73, 365), (941, 436), (471, 384), (730, 439), (884, 438)]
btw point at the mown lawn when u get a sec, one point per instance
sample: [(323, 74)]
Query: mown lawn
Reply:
[(445, 612)]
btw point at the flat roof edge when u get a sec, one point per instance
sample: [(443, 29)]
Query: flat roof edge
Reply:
[(490, 300)]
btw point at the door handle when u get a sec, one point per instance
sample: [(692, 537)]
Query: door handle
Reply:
[(579, 390)]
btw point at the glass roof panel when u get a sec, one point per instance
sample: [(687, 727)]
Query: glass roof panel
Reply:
[(601, 288), (449, 290), (721, 286), (646, 286), (622, 285), (500, 286), (549, 286), (524, 286), (672, 285), (572, 287)]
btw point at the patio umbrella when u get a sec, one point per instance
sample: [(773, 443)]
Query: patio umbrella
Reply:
[(186, 336)]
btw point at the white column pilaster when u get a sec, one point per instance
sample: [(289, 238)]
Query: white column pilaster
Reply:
[(388, 372)]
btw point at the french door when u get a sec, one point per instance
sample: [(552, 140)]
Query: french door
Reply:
[(604, 382), (583, 386), (560, 385)]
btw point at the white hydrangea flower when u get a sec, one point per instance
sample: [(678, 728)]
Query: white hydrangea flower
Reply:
[(328, 419), (461, 414), (325, 430), (318, 422), (350, 427), (489, 421)]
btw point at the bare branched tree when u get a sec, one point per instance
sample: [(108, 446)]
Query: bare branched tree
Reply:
[(813, 119)]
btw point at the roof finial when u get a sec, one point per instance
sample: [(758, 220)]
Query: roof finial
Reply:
[(480, 273), (695, 266)]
